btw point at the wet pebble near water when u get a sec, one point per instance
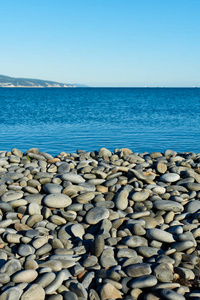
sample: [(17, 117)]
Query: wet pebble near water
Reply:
[(99, 225)]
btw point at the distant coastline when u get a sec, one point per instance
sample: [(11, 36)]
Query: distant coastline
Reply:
[(12, 82)]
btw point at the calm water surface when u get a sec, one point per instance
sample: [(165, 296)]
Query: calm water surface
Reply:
[(56, 120)]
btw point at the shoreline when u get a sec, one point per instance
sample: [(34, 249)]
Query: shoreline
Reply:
[(99, 225)]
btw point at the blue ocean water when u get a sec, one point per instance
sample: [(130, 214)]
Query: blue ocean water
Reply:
[(61, 119)]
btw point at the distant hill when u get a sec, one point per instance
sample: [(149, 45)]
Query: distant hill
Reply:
[(6, 81)]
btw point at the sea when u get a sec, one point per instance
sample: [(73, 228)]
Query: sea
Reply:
[(66, 119)]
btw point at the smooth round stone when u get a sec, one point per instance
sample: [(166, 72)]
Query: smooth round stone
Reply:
[(11, 195), (73, 178), (108, 291), (4, 278), (36, 198), (160, 190), (98, 245), (25, 250), (137, 229), (134, 241), (143, 282), (140, 196), (185, 273), (34, 209), (69, 215), (111, 182), (170, 177), (63, 168), (192, 206), (192, 186), (54, 265), (137, 270), (68, 295), (57, 201), (126, 252), (12, 293), (52, 188), (107, 259), (96, 214), (39, 242), (163, 272), (96, 181), (87, 186), (85, 197), (57, 220), (106, 204), (5, 207), (182, 246), (46, 279), (175, 229), (25, 276), (161, 167), (121, 200), (31, 264), (11, 267), (160, 235), (104, 152), (43, 250), (34, 292), (90, 261), (171, 295), (34, 219), (148, 251), (168, 205), (56, 283), (78, 230)]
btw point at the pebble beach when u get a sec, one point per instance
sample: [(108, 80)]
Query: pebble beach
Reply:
[(99, 225)]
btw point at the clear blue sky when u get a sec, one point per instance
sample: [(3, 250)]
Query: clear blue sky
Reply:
[(102, 42)]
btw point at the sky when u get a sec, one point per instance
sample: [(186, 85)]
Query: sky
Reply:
[(98, 43)]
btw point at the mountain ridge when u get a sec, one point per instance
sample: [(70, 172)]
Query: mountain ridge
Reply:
[(12, 82)]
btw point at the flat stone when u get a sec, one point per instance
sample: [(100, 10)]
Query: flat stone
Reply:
[(96, 214), (57, 201)]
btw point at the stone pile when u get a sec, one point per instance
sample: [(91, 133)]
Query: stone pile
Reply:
[(99, 225)]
